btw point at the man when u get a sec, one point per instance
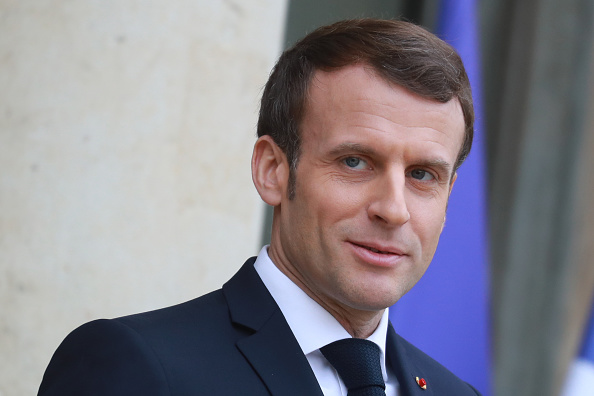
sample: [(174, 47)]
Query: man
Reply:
[(362, 127)]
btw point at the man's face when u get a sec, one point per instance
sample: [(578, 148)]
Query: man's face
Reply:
[(372, 185)]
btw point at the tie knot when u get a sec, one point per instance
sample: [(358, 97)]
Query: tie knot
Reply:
[(357, 362)]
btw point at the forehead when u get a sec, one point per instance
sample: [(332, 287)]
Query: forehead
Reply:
[(355, 98)]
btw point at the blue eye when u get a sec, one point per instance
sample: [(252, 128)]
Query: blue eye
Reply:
[(420, 174), (355, 163)]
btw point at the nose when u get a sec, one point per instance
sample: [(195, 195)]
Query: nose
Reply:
[(388, 204)]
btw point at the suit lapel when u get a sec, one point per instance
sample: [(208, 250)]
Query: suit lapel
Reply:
[(404, 367), (278, 359), (272, 350)]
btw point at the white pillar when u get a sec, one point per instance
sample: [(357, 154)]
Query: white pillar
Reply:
[(126, 130)]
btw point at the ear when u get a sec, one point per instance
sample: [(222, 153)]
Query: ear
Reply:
[(270, 170)]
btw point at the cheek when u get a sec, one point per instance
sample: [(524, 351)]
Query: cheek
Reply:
[(428, 221), (335, 200)]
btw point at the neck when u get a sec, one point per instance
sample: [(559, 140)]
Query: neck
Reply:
[(357, 322), (360, 325)]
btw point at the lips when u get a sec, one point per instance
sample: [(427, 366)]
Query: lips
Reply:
[(377, 255), (378, 249), (375, 250)]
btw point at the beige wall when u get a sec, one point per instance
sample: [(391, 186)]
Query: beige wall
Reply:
[(126, 130)]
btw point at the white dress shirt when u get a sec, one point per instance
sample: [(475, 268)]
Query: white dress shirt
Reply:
[(314, 327)]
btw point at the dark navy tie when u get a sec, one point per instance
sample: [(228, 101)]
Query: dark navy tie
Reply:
[(357, 362)]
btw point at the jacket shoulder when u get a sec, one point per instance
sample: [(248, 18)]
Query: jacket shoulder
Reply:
[(103, 357), (131, 354)]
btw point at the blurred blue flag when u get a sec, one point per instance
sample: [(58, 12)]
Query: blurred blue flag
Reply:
[(581, 373), (447, 313)]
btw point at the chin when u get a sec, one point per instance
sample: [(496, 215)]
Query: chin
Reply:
[(377, 299)]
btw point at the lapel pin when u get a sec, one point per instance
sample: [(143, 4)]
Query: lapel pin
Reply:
[(421, 382)]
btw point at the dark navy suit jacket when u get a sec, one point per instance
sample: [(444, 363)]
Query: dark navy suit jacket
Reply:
[(233, 341)]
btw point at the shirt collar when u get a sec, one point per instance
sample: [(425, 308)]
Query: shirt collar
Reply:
[(312, 325)]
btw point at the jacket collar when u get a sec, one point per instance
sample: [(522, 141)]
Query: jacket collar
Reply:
[(271, 349), (404, 367)]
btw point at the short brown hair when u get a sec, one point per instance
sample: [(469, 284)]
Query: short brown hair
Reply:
[(401, 52)]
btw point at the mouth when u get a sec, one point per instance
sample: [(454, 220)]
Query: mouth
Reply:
[(375, 250), (376, 255), (379, 249)]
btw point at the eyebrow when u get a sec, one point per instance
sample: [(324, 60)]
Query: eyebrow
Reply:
[(349, 147), (436, 163)]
